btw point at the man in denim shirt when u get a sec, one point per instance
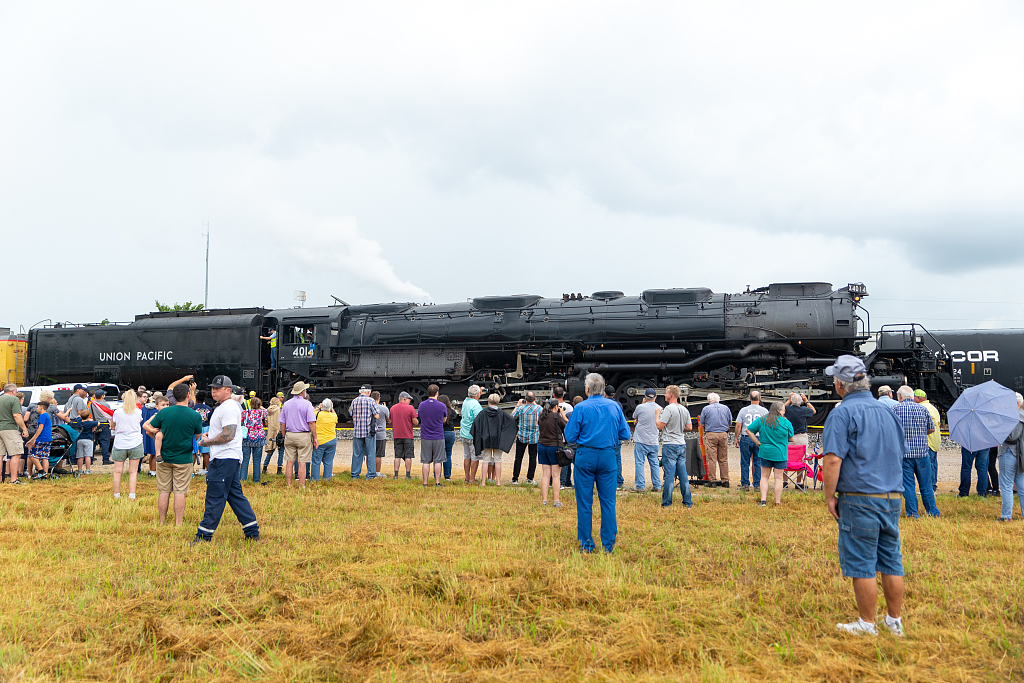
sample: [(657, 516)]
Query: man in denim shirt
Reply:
[(864, 446)]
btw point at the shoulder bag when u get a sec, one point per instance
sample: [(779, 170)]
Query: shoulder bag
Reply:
[(565, 455)]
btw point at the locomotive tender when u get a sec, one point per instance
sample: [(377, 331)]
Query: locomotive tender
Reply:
[(773, 338)]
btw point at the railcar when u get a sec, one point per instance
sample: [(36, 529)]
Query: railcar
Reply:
[(978, 356), (776, 339)]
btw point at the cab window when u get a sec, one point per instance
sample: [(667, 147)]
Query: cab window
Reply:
[(298, 334)]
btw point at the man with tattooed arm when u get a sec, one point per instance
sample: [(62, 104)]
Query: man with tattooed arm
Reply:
[(222, 486)]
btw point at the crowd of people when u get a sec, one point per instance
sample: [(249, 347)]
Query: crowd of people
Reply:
[(876, 453)]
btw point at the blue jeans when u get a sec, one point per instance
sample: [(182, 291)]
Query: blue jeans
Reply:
[(1008, 478), (103, 439), (619, 481), (869, 535), (673, 457), (922, 469), (748, 460), (449, 442), (566, 475), (223, 487), (595, 466), (980, 461), (324, 453), (933, 461), (273, 357), (365, 447), (251, 449), (642, 453)]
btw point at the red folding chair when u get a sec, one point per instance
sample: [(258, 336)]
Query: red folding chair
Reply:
[(797, 463)]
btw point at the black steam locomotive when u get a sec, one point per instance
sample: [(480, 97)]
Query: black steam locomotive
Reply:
[(774, 338)]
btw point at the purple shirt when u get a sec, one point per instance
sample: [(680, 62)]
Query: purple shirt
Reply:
[(432, 413), (297, 413)]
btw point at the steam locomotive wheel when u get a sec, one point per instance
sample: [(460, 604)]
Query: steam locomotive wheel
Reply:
[(630, 394), (414, 389)]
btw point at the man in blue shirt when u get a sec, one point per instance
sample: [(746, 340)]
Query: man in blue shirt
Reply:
[(596, 425), (716, 419), (864, 446), (885, 397)]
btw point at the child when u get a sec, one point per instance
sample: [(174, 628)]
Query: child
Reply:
[(85, 445), (149, 409), (161, 403), (204, 412), (39, 444)]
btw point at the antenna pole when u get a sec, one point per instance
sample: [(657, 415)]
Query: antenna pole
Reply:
[(206, 295)]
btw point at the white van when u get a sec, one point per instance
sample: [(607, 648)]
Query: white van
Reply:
[(62, 392)]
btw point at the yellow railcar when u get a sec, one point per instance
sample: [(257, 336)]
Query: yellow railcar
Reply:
[(13, 353)]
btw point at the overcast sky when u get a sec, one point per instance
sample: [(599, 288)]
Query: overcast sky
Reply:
[(435, 152)]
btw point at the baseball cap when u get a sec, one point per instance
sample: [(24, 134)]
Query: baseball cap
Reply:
[(299, 387), (365, 387), (405, 394), (609, 391), (847, 368), (280, 394), (651, 392), (79, 386), (920, 394), (100, 392), (222, 382), (252, 393)]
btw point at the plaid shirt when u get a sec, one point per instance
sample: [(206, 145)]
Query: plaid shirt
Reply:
[(363, 410), (916, 423), (529, 415)]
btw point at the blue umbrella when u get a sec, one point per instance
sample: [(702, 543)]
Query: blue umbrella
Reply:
[(983, 416)]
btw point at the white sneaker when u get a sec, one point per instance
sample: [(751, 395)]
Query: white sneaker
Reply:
[(201, 473), (152, 474), (531, 482), (859, 628), (380, 476), (895, 626)]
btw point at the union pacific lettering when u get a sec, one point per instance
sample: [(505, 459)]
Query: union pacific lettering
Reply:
[(974, 356), (138, 356)]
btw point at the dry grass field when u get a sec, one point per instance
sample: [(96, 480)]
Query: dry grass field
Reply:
[(388, 581)]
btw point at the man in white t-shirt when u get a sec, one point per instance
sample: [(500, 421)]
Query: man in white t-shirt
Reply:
[(222, 485), (749, 449)]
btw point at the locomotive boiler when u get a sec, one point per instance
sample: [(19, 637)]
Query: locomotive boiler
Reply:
[(775, 339)]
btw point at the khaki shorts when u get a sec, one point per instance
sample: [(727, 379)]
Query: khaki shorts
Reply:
[(173, 477), (468, 451), (298, 447), (122, 454), (490, 455), (11, 443)]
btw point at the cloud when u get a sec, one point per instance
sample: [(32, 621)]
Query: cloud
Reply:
[(378, 151)]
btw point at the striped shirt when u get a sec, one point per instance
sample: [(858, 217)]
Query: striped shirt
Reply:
[(528, 414), (916, 423)]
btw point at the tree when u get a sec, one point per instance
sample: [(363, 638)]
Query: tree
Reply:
[(187, 306)]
